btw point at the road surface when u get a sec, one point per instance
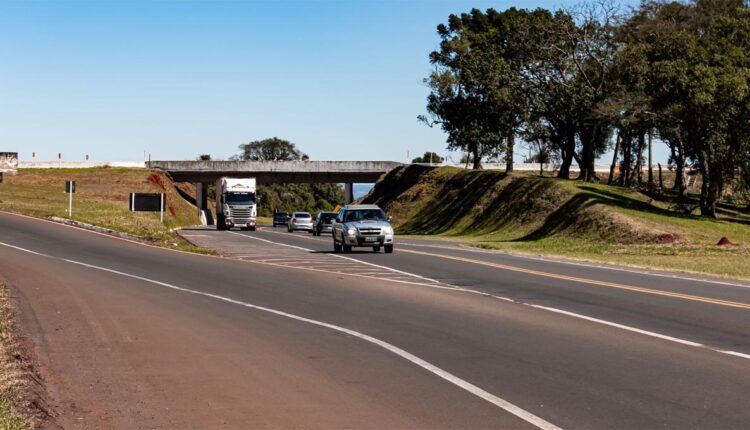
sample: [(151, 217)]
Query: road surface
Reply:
[(284, 334)]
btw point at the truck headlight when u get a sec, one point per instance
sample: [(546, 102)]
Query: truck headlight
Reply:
[(351, 232), (387, 230)]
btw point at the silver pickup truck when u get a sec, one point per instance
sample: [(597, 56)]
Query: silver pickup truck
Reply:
[(362, 226)]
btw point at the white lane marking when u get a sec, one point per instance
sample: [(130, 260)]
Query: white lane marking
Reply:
[(645, 272), (343, 257), (570, 314), (444, 374), (592, 265)]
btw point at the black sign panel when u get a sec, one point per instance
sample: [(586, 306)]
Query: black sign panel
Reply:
[(70, 186), (147, 202)]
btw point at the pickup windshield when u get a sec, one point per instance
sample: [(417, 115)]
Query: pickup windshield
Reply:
[(240, 198), (364, 215)]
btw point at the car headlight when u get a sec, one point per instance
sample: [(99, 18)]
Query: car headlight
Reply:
[(387, 230), (351, 232)]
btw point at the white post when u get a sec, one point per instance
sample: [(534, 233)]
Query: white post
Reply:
[(70, 202), (161, 212)]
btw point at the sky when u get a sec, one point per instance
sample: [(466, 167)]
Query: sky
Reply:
[(176, 79)]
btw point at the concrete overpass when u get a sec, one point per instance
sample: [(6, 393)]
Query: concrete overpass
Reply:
[(203, 173)]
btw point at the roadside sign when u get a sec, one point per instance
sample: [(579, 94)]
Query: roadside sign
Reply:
[(70, 188), (148, 202)]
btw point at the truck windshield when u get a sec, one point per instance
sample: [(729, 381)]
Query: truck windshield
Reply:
[(240, 198), (364, 215)]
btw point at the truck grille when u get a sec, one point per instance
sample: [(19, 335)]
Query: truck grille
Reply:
[(240, 215), (369, 231)]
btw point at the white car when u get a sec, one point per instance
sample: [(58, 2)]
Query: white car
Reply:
[(300, 221)]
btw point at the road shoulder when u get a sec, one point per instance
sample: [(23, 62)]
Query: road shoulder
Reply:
[(23, 398)]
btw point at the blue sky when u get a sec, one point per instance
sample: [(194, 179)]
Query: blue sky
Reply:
[(341, 79)]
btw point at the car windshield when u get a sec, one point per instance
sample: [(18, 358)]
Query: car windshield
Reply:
[(302, 215), (364, 215), (240, 198)]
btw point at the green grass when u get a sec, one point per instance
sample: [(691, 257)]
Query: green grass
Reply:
[(10, 420), (529, 214), (101, 199)]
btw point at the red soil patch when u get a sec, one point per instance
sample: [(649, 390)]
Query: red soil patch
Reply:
[(724, 242), (663, 239), (156, 180)]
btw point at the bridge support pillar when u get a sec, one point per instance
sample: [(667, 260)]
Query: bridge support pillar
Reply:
[(348, 193), (201, 198)]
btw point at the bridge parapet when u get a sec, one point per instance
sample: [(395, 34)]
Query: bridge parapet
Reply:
[(278, 171)]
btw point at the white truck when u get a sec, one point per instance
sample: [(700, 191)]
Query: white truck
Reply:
[(235, 203)]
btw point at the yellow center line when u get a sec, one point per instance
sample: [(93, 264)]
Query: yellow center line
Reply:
[(691, 297)]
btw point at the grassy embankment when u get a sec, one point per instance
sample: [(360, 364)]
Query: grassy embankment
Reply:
[(101, 199), (546, 216)]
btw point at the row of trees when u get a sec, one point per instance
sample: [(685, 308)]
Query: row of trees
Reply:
[(578, 82)]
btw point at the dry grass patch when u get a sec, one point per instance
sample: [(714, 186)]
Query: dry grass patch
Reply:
[(22, 403), (102, 199)]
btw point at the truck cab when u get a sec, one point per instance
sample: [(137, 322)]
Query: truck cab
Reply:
[(235, 203)]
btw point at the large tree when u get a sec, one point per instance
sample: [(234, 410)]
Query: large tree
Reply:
[(289, 197), (272, 149), (699, 76)]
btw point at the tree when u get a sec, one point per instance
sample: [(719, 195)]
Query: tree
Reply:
[(204, 157), (699, 82), (290, 197), (429, 157), (273, 149), (477, 92)]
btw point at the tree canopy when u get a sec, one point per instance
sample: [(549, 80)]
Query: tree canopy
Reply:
[(583, 80), (288, 197)]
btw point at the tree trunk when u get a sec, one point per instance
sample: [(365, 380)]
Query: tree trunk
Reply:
[(679, 180), (588, 141), (650, 158), (476, 158), (710, 187), (569, 150), (614, 159), (661, 179), (638, 171), (625, 171), (509, 152)]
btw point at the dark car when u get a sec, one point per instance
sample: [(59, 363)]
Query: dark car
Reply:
[(280, 218), (324, 223)]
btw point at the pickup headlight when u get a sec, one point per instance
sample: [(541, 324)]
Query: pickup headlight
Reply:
[(387, 230), (351, 232)]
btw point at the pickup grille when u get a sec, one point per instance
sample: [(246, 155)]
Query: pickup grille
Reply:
[(369, 231)]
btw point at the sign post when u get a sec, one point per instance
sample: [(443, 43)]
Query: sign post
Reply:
[(148, 202), (70, 188)]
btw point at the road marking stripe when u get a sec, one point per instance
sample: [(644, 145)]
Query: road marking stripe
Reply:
[(583, 263), (602, 266), (691, 297), (444, 374), (444, 286), (339, 256)]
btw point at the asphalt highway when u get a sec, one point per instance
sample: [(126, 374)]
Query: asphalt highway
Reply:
[(286, 335)]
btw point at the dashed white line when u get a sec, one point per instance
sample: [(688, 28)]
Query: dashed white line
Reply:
[(441, 285), (444, 374)]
